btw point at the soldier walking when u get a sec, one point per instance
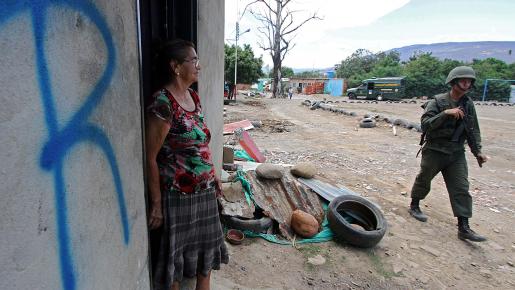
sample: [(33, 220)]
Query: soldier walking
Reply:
[(448, 120)]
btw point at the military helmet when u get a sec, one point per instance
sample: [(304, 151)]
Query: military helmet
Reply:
[(461, 72)]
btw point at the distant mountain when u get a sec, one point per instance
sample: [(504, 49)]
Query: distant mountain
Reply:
[(463, 51), (300, 70)]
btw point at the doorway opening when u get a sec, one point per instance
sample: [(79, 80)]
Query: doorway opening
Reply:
[(160, 21)]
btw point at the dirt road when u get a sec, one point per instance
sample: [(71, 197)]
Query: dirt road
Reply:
[(381, 167)]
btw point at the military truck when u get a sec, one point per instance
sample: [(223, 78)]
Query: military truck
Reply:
[(391, 88)]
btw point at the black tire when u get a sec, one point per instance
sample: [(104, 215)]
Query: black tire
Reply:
[(254, 225), (400, 122), (379, 97), (351, 96), (315, 105), (410, 125), (367, 123), (346, 210)]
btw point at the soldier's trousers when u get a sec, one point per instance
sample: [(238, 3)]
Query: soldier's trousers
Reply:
[(455, 173)]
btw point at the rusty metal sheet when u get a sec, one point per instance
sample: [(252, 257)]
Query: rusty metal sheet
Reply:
[(280, 197)]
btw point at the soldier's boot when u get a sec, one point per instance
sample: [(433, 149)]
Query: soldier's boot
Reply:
[(466, 233), (414, 211)]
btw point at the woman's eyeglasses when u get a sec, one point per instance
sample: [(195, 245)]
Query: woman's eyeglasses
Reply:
[(194, 61)]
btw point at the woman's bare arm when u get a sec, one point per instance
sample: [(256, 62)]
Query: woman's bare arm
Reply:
[(155, 134)]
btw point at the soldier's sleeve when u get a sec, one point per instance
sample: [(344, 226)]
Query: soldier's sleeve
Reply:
[(432, 117), (475, 124)]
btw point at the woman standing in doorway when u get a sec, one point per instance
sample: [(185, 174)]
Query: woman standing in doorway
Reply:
[(181, 176)]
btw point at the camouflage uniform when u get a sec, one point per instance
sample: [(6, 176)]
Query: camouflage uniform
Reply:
[(441, 154)]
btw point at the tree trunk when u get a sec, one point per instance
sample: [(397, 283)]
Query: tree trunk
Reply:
[(276, 53), (278, 40), (276, 92)]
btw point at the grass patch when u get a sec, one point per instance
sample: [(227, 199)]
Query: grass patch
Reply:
[(379, 266), (311, 250)]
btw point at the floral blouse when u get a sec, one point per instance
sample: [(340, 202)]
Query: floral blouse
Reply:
[(184, 160)]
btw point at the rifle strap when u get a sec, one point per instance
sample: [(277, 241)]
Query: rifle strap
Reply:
[(419, 150)]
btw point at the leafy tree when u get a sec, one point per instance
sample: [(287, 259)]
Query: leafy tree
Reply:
[(492, 68), (387, 65), (511, 71), (249, 67), (357, 66), (424, 76), (448, 64), (497, 90), (309, 74), (286, 72)]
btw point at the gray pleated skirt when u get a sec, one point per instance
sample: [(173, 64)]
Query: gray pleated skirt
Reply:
[(192, 242)]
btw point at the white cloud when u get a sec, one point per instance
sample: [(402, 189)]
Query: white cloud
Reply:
[(312, 37), (379, 25)]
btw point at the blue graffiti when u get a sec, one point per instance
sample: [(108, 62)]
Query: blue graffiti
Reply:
[(78, 129)]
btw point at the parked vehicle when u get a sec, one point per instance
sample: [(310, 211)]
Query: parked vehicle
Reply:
[(391, 88)]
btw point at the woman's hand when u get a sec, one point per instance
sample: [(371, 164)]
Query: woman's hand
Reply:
[(218, 187), (155, 219)]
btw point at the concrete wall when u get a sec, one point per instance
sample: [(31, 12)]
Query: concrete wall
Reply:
[(72, 211), (211, 81)]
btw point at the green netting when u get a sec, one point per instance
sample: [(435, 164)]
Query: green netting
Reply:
[(240, 176), (242, 154), (323, 236)]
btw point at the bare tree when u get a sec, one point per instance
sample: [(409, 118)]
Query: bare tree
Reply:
[(278, 29)]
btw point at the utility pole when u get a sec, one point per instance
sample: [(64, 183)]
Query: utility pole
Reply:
[(236, 48), (236, 54), (235, 92)]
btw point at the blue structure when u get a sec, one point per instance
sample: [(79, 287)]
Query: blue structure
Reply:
[(334, 87)]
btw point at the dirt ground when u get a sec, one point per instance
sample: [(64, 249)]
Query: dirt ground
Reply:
[(381, 167)]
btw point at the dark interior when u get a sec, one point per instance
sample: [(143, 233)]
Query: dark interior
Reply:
[(356, 213), (160, 21)]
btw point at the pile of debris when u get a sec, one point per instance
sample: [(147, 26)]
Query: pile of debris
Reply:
[(286, 201)]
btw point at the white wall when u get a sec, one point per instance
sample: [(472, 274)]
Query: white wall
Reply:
[(211, 81), (70, 130), (72, 210)]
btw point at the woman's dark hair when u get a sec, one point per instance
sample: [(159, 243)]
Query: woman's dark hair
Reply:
[(177, 50)]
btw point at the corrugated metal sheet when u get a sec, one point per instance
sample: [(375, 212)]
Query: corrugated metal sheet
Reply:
[(327, 191), (279, 198)]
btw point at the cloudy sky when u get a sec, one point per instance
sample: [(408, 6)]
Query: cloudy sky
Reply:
[(377, 25)]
